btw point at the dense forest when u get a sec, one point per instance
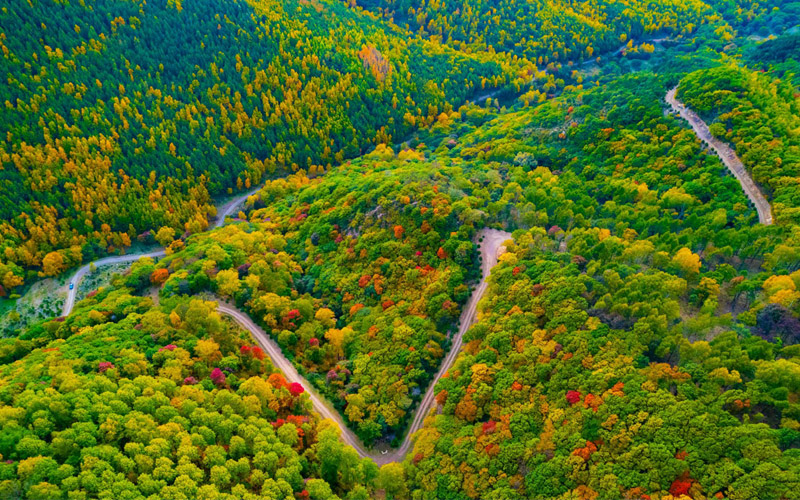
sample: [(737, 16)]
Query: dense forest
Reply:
[(358, 279), (542, 31), (639, 337), (373, 251), (161, 401), (123, 117), (584, 369)]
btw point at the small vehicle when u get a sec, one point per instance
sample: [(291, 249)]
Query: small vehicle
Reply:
[(71, 286)]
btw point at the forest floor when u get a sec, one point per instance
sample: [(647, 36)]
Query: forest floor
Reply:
[(98, 279)]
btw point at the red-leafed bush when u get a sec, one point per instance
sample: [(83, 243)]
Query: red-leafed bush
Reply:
[(296, 389), (257, 352), (217, 376), (680, 487), (297, 420), (573, 397), (105, 365)]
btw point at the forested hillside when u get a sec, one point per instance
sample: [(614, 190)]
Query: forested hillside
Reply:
[(166, 401), (586, 374), (122, 117), (357, 277), (357, 272), (638, 337), (543, 31), (751, 17), (760, 115)]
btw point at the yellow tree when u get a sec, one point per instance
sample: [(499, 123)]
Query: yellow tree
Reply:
[(228, 282), (687, 262), (52, 264), (326, 317), (165, 235)]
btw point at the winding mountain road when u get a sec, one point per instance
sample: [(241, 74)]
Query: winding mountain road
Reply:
[(223, 211), (490, 248), (273, 350), (76, 278), (226, 210), (726, 154)]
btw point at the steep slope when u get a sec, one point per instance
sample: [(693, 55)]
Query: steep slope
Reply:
[(543, 31), (637, 337)]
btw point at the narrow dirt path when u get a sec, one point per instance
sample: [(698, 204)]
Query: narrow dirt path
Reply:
[(490, 248), (726, 154), (273, 350)]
